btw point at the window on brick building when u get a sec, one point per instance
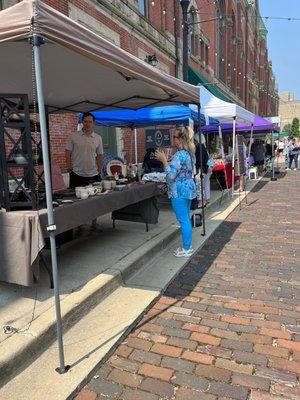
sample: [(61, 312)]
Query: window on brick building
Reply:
[(202, 47), (7, 3), (192, 21), (206, 54), (221, 38), (142, 6)]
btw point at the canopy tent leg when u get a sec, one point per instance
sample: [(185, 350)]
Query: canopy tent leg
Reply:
[(135, 146), (251, 138), (201, 172), (277, 162), (221, 141), (245, 189), (223, 160), (37, 41), (273, 158), (233, 152), (249, 152)]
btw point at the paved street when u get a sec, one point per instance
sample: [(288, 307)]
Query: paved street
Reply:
[(228, 327)]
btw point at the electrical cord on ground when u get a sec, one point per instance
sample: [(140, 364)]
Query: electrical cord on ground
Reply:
[(9, 329)]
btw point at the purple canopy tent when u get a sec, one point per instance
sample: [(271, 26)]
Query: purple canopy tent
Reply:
[(260, 125)]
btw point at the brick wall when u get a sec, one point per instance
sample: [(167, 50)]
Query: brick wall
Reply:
[(288, 110), (61, 126), (129, 145)]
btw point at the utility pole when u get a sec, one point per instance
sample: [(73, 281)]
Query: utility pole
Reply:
[(185, 45)]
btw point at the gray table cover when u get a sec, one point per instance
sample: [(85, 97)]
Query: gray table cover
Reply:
[(22, 233)]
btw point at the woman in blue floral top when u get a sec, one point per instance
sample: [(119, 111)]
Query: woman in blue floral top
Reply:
[(181, 185)]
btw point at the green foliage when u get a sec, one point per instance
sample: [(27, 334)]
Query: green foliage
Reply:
[(295, 127)]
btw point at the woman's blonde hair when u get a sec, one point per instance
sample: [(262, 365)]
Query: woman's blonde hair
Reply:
[(186, 136)]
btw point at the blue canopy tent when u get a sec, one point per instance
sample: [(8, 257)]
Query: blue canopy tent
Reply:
[(151, 116), (147, 116)]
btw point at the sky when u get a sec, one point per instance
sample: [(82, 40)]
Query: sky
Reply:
[(283, 42)]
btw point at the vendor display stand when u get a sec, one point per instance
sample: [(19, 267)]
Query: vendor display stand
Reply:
[(222, 174), (19, 179)]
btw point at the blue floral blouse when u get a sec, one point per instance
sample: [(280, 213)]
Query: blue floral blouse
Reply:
[(179, 175)]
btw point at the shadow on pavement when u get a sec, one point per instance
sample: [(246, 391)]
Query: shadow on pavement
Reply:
[(184, 283)]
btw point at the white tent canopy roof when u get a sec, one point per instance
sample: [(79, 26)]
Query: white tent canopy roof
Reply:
[(81, 70), (224, 111)]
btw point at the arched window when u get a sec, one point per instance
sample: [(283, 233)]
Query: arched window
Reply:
[(192, 30), (221, 42), (142, 6), (232, 53)]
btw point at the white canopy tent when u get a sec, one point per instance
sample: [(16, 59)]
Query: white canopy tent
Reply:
[(225, 112), (74, 69)]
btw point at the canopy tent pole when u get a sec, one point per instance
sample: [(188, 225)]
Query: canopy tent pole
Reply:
[(37, 41), (221, 141), (247, 166), (223, 159), (273, 157), (201, 172), (246, 172), (135, 145), (233, 152), (277, 161), (250, 143)]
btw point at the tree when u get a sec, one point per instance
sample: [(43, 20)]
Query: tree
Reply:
[(295, 127), (287, 128)]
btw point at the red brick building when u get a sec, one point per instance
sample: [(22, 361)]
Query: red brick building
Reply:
[(227, 53)]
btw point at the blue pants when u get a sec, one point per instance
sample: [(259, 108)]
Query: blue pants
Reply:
[(293, 157), (181, 209)]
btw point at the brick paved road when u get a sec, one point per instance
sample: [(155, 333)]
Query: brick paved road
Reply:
[(228, 327)]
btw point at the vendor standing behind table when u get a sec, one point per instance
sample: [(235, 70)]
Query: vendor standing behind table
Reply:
[(181, 185), (84, 154)]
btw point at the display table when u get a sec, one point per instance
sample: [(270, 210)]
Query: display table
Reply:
[(22, 233), (226, 170)]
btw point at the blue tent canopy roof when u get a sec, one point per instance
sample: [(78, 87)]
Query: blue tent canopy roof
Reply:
[(167, 115)]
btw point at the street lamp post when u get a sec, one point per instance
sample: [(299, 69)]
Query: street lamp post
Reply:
[(185, 46)]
